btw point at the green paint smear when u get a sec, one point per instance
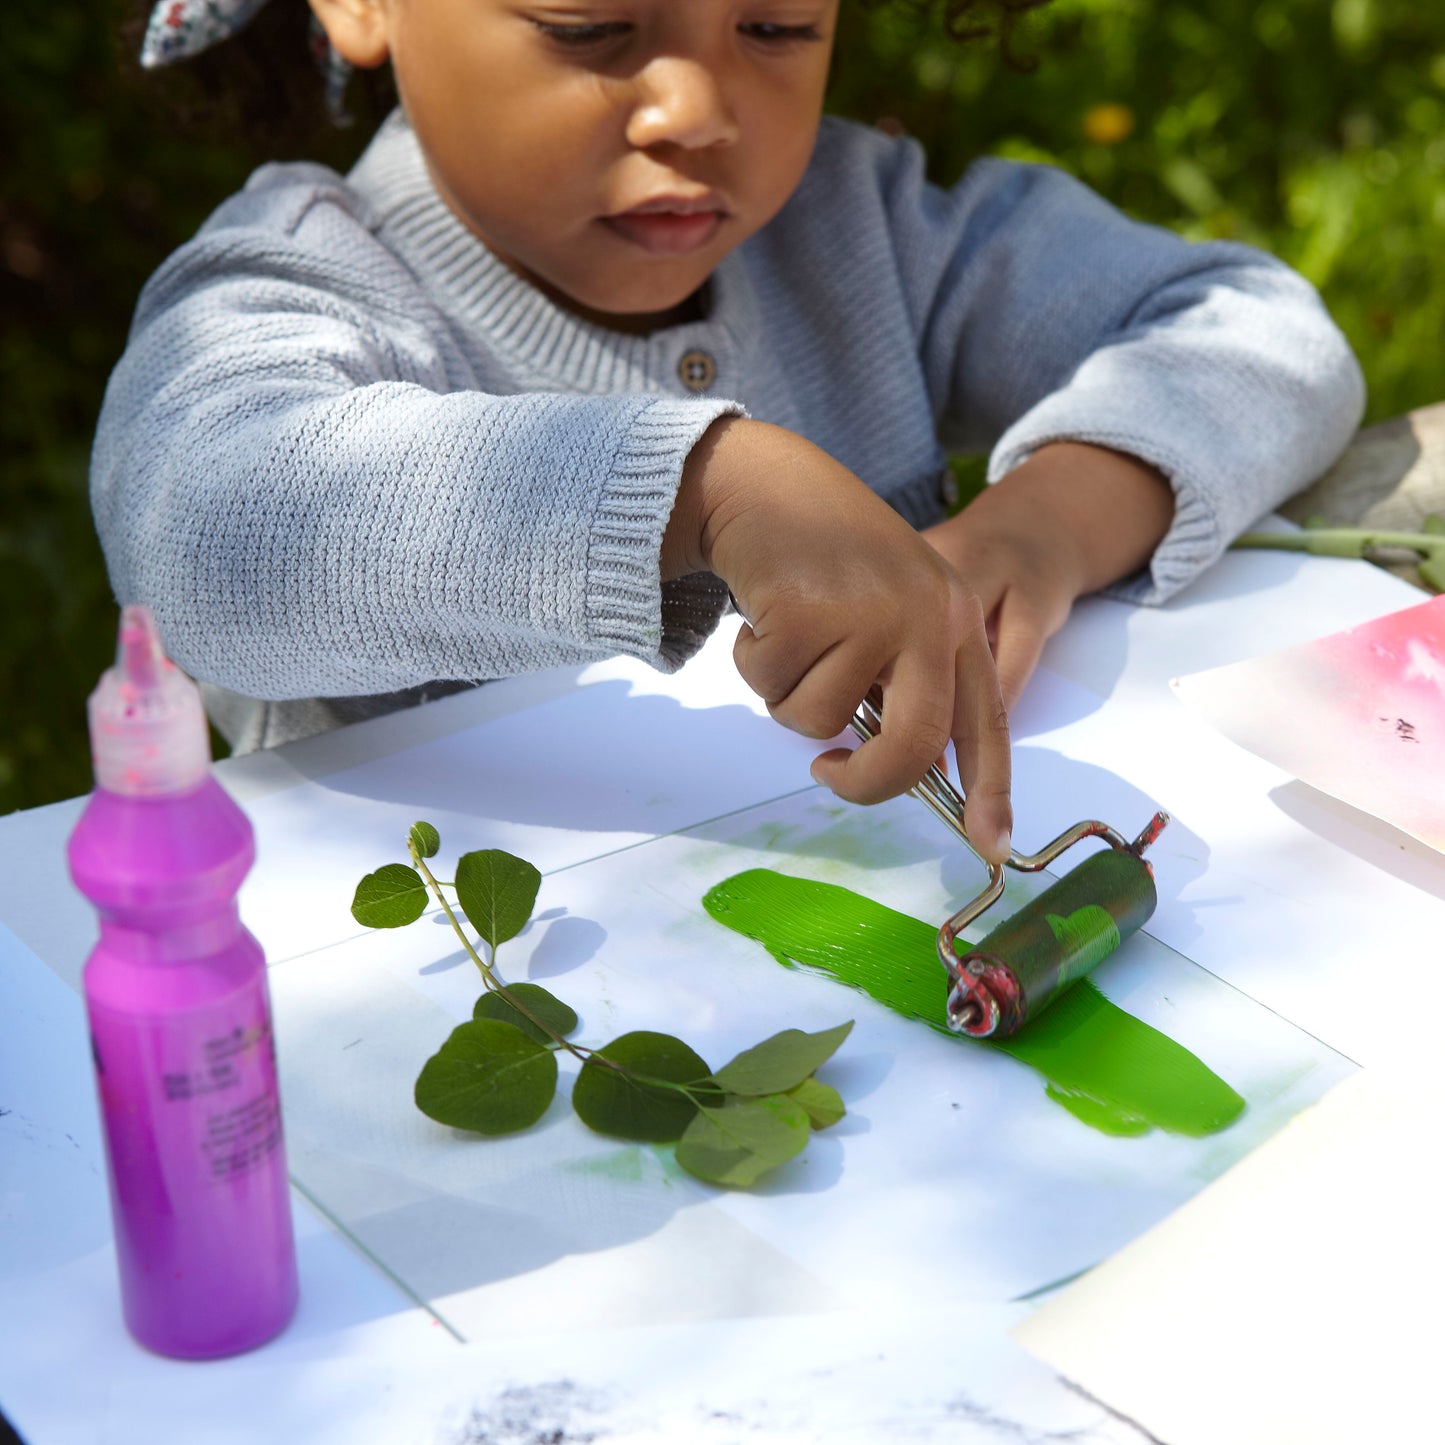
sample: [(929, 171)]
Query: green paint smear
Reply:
[(1110, 1070)]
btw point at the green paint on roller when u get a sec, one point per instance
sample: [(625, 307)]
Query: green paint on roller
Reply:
[(1089, 934), (1110, 1070)]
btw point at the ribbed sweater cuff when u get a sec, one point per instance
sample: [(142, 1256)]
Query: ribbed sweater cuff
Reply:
[(1195, 538), (624, 597)]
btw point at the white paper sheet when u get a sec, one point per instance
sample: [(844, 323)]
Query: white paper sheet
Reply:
[(50, 1141), (942, 1136), (571, 779), (825, 1380), (1293, 1302)]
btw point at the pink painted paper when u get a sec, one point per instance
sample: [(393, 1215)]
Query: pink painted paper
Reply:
[(1359, 714)]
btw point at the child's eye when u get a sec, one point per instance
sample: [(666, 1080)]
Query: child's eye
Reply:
[(581, 37), (771, 34)]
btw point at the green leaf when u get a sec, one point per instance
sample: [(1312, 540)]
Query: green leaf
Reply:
[(487, 1077), (425, 839), (781, 1062), (737, 1144), (612, 1103), (391, 897), (1433, 524), (497, 891), (546, 1007), (823, 1103)]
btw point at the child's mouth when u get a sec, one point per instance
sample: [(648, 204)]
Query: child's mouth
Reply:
[(666, 233)]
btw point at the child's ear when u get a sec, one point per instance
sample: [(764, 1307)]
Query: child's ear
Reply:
[(357, 29)]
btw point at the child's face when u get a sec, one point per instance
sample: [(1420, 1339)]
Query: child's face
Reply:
[(612, 151)]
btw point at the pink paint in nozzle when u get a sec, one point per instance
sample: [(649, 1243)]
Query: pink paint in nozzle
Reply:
[(148, 734)]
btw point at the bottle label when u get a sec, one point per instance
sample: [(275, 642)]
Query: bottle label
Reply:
[(239, 1131), (200, 1085)]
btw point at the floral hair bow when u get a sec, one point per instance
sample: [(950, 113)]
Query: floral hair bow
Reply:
[(179, 29)]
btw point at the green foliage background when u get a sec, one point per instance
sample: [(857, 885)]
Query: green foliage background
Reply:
[(1314, 128)]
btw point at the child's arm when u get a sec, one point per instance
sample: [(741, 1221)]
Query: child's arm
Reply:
[(1068, 521), (1042, 315), (840, 592), (300, 471)]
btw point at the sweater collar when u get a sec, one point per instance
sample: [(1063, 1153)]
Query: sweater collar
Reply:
[(543, 339)]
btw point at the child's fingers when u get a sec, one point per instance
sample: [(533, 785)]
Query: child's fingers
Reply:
[(981, 743), (809, 677), (917, 714), (772, 661), (1019, 634), (825, 697), (1025, 621)]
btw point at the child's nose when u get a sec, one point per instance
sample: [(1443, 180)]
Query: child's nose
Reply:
[(680, 102)]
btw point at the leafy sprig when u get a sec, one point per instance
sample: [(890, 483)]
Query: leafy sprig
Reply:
[(497, 1072), (1322, 540)]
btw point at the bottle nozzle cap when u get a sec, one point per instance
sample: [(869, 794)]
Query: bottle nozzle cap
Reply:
[(148, 732)]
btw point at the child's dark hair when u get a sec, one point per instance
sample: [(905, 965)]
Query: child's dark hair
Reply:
[(263, 88)]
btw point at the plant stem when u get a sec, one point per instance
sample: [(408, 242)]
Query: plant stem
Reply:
[(1343, 541), (1426, 548), (490, 979)]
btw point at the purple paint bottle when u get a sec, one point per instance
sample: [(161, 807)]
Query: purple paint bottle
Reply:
[(180, 1022)]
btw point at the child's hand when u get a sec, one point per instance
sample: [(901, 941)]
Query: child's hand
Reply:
[(1069, 520), (840, 592)]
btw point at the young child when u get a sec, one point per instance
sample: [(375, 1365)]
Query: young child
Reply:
[(608, 322)]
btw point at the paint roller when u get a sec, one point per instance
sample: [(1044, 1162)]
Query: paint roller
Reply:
[(1017, 970)]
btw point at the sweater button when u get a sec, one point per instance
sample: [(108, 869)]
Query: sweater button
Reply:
[(697, 370)]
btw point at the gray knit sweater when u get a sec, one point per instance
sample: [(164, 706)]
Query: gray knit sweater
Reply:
[(348, 457)]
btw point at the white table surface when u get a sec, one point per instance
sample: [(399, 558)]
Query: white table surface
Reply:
[(1322, 914)]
